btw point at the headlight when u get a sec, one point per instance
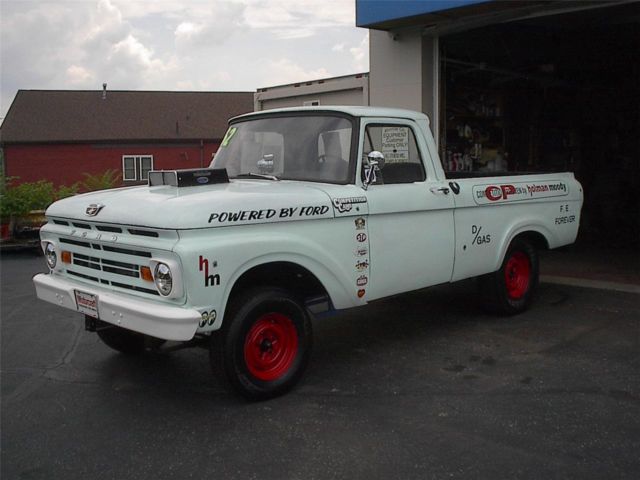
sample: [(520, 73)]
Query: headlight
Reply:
[(162, 278), (50, 255)]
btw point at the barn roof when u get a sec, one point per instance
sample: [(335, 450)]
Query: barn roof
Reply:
[(51, 116)]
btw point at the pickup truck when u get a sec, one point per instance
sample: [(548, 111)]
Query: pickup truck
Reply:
[(302, 211)]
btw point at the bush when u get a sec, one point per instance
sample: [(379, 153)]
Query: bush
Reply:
[(101, 181), (64, 191), (23, 198), (17, 201)]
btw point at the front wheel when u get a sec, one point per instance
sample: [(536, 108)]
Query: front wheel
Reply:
[(265, 343), (509, 290)]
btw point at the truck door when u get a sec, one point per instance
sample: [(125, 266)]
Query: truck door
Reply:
[(410, 223)]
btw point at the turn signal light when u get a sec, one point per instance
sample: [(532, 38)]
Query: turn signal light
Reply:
[(66, 257), (145, 274)]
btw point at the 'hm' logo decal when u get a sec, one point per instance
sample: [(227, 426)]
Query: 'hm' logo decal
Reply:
[(212, 280)]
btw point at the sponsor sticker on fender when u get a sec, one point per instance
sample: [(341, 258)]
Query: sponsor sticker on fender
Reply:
[(518, 192)]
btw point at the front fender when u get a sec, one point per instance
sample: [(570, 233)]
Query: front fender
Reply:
[(337, 286), (214, 260)]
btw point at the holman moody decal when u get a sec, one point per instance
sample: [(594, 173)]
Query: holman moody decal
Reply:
[(483, 194)]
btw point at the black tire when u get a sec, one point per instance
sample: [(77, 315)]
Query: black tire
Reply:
[(127, 341), (265, 343), (510, 289)]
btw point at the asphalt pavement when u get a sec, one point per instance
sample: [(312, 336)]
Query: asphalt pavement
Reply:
[(423, 385)]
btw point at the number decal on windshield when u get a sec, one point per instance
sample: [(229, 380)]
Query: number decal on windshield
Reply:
[(228, 136)]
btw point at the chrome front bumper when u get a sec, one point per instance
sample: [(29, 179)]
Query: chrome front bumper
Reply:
[(162, 321)]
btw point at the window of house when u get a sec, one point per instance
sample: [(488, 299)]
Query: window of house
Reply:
[(136, 167), (397, 143)]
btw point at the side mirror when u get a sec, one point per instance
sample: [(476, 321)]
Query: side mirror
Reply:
[(375, 163), (376, 159)]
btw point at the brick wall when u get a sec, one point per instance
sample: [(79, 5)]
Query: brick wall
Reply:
[(65, 164)]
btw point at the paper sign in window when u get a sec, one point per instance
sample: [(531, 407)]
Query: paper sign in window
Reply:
[(395, 144)]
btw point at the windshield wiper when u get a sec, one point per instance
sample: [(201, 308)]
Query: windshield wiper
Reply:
[(257, 175)]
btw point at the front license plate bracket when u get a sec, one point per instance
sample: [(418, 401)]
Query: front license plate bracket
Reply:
[(87, 303)]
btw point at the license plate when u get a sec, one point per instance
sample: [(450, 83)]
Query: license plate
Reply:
[(87, 303)]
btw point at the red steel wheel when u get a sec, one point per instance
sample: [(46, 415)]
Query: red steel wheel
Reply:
[(271, 346), (265, 342), (517, 275), (510, 289)]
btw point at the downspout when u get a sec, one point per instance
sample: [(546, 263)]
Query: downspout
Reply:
[(201, 153)]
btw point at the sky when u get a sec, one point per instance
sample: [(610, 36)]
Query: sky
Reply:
[(211, 45)]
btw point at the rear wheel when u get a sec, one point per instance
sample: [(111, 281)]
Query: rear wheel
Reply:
[(265, 343), (510, 289)]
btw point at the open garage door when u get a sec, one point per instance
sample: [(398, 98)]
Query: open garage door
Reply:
[(550, 93)]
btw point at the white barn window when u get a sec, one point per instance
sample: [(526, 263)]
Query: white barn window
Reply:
[(136, 167)]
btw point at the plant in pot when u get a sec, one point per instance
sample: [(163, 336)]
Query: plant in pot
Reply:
[(7, 206), (22, 206)]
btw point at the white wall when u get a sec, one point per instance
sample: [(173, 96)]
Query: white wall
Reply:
[(404, 71), (347, 90)]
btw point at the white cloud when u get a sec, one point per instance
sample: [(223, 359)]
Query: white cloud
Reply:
[(285, 71), (360, 54), (186, 30), (131, 50), (213, 27), (106, 22), (303, 18), (79, 76), (172, 44), (293, 33)]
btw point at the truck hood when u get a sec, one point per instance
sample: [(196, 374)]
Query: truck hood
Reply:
[(238, 202)]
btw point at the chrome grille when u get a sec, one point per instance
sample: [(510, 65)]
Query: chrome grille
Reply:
[(120, 270), (111, 255)]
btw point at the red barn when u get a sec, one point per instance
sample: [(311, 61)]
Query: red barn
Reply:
[(60, 135)]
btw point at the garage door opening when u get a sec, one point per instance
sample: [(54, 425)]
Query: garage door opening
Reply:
[(552, 93)]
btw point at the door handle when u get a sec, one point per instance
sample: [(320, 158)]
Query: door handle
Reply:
[(439, 190)]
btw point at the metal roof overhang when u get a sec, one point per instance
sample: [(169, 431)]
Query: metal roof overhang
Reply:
[(451, 16)]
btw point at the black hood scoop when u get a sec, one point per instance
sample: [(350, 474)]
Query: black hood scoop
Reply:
[(194, 177)]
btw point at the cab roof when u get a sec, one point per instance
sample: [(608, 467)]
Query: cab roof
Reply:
[(354, 111)]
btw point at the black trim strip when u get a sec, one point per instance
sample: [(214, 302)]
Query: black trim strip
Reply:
[(61, 222), (130, 266), (82, 263), (75, 242), (137, 253), (86, 226), (104, 228), (86, 257), (133, 287), (144, 233), (120, 271), (81, 275)]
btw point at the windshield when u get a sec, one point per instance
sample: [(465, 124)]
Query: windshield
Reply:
[(312, 148)]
